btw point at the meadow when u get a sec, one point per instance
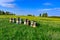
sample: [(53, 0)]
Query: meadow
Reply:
[(49, 29)]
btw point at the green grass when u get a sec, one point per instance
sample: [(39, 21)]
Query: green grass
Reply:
[(49, 29)]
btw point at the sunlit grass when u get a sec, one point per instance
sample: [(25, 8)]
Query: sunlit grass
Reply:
[(49, 29)]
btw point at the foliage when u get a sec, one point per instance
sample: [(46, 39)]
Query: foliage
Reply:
[(39, 15), (30, 15), (6, 13), (44, 15)]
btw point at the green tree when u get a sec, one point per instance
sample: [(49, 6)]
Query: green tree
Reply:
[(39, 15), (7, 13), (29, 15), (2, 12), (45, 15)]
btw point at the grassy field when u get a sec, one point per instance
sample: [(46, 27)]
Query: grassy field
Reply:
[(49, 29)]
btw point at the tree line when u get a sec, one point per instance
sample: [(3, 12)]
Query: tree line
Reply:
[(43, 15), (9, 13), (6, 13), (40, 15)]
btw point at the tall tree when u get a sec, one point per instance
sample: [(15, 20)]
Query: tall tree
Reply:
[(40, 15), (45, 15), (2, 12), (7, 13)]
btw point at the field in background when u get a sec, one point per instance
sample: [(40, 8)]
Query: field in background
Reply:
[(49, 29)]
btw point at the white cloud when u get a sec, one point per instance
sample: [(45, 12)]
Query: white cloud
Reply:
[(7, 3), (44, 9), (47, 4), (50, 9), (4, 1), (57, 8)]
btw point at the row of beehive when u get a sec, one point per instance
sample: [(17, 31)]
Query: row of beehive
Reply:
[(25, 22)]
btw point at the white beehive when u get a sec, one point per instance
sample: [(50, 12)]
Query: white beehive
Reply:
[(31, 23), (34, 24)]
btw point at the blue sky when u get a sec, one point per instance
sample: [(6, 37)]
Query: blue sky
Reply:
[(34, 7)]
